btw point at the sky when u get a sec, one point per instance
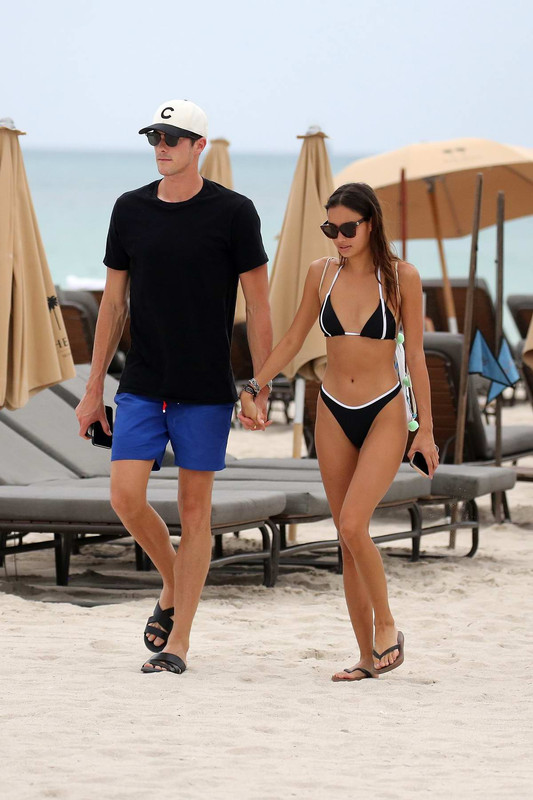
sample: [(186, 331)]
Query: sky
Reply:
[(374, 75)]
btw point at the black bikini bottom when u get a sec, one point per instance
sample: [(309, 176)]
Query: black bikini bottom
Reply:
[(356, 421)]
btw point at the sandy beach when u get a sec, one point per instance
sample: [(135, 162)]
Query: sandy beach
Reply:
[(256, 715)]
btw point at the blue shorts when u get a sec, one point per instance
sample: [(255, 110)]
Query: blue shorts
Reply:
[(144, 426)]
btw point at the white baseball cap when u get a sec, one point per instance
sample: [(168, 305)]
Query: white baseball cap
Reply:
[(180, 118)]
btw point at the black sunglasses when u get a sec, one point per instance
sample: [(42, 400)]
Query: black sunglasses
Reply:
[(154, 137), (348, 229)]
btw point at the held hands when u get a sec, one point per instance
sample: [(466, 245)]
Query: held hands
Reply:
[(425, 444), (253, 413)]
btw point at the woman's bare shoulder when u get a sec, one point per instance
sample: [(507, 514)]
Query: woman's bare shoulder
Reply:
[(318, 274), (320, 263), (408, 274), (316, 268)]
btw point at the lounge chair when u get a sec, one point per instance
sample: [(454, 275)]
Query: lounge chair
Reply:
[(450, 484), (80, 311), (41, 495), (484, 313), (49, 423), (443, 358)]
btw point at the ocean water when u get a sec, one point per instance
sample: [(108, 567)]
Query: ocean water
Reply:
[(74, 193)]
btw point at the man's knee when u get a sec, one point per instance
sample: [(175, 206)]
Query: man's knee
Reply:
[(195, 511), (126, 501), (194, 499)]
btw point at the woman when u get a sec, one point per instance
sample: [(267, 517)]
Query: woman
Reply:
[(361, 426)]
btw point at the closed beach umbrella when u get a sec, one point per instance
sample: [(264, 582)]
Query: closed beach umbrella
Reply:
[(216, 167), (440, 182), (34, 348), (527, 355), (301, 242)]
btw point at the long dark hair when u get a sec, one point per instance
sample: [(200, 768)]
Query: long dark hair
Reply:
[(361, 198)]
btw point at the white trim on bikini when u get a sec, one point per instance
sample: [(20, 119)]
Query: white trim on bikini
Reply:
[(382, 305), (328, 260), (327, 295), (364, 405), (352, 333)]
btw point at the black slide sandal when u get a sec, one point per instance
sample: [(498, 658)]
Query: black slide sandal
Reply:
[(168, 663), (163, 618)]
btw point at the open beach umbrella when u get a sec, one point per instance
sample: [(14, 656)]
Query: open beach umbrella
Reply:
[(216, 167), (440, 180), (301, 242), (34, 347)]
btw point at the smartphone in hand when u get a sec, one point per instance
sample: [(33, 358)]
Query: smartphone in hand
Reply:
[(98, 437), (419, 464)]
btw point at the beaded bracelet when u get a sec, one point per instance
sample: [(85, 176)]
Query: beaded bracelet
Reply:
[(252, 387)]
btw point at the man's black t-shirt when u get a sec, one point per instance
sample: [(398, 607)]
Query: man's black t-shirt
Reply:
[(184, 261)]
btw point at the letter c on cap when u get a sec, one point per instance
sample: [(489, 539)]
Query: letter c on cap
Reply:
[(166, 116)]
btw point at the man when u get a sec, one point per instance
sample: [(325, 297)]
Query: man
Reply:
[(179, 247)]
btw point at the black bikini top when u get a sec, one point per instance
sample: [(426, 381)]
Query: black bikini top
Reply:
[(380, 325)]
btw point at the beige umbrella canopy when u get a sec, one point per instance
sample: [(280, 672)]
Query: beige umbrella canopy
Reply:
[(216, 166), (301, 242), (440, 181), (34, 348), (452, 166)]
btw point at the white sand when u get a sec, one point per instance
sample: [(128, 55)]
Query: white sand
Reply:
[(256, 716)]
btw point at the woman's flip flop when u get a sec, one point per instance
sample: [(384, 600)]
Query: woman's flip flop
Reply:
[(399, 661), (366, 674)]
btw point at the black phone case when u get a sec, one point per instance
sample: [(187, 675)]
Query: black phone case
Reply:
[(98, 437)]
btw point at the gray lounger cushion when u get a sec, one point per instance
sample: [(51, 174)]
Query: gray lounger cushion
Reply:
[(23, 463), (274, 463), (467, 482), (51, 425), (516, 439), (407, 486), (257, 474), (70, 503), (301, 498)]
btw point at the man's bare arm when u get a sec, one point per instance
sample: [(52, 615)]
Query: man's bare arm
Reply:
[(109, 327)]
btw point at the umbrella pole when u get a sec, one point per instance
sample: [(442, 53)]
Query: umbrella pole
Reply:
[(467, 335), (297, 434), (447, 289), (403, 213), (500, 208)]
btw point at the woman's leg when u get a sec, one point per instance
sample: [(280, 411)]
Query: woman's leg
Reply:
[(377, 465), (338, 459)]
